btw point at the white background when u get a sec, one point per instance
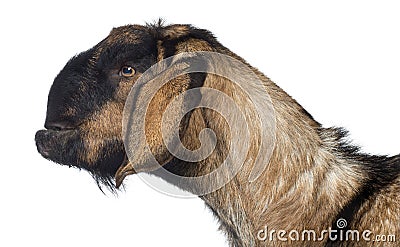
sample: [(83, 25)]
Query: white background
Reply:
[(340, 60)]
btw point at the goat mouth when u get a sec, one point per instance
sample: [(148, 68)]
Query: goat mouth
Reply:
[(48, 139)]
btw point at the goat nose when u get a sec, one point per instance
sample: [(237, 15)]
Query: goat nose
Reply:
[(59, 125)]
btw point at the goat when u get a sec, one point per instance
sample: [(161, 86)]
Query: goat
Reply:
[(312, 179)]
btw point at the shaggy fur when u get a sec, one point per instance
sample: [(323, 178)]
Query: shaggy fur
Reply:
[(314, 176)]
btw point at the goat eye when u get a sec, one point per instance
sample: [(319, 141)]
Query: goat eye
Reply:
[(127, 71)]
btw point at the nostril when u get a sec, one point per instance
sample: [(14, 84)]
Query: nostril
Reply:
[(59, 125)]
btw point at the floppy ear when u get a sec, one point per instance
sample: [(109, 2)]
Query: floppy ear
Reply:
[(176, 39), (170, 40)]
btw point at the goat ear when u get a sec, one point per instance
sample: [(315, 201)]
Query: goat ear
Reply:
[(161, 32), (175, 39), (174, 32), (171, 40), (122, 172), (167, 38)]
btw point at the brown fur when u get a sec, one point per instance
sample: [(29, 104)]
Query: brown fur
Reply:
[(311, 179), (306, 184)]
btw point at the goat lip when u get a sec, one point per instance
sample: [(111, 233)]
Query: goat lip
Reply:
[(43, 150), (40, 139), (50, 133), (46, 140), (59, 131)]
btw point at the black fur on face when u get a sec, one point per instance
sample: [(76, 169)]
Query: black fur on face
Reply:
[(85, 104)]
